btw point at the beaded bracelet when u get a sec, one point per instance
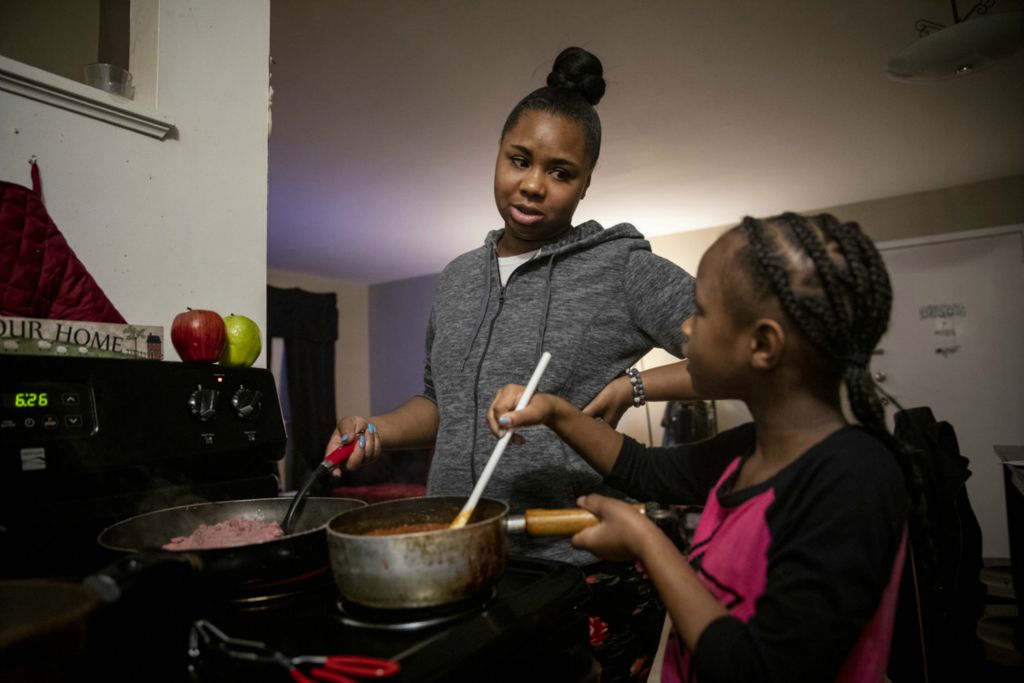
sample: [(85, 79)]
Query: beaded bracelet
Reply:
[(639, 398)]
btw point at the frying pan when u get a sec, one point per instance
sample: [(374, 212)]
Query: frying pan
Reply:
[(253, 569)]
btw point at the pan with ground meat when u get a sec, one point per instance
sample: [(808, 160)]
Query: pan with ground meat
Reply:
[(246, 569)]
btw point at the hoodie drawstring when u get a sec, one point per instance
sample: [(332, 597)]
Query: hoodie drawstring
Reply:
[(483, 308), (547, 307)]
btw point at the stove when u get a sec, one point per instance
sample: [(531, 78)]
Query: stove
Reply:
[(531, 627), (85, 443)]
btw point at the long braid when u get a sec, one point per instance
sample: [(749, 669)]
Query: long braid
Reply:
[(844, 314)]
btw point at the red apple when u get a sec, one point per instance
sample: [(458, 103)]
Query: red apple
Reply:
[(198, 336)]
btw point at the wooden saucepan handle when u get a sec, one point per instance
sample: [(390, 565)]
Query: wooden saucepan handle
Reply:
[(565, 522)]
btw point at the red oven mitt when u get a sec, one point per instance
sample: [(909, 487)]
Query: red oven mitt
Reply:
[(40, 276)]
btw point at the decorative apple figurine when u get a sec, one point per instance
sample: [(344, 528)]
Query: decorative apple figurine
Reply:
[(198, 335), (243, 341)]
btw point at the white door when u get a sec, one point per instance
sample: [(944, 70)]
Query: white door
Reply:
[(956, 344)]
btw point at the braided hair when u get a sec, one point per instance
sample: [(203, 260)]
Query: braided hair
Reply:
[(841, 304), (574, 87)]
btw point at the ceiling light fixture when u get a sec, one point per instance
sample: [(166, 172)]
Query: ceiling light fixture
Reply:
[(967, 46)]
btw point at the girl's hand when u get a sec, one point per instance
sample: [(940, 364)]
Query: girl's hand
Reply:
[(368, 447), (502, 415), (618, 532)]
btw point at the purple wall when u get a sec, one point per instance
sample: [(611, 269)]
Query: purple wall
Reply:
[(398, 314)]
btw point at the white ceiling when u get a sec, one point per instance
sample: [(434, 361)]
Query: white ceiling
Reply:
[(386, 116)]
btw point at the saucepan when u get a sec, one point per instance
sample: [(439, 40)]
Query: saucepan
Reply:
[(416, 568)]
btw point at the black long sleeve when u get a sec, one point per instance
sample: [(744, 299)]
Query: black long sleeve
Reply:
[(678, 474)]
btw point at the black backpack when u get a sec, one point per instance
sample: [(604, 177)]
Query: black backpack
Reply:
[(935, 636)]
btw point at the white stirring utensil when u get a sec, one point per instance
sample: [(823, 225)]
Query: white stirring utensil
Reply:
[(481, 483)]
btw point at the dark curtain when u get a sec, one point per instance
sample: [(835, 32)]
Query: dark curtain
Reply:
[(308, 323)]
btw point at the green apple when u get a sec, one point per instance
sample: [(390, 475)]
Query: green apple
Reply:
[(243, 344)]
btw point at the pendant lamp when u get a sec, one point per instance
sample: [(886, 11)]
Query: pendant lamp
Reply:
[(967, 46)]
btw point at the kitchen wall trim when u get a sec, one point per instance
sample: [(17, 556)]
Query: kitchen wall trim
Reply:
[(64, 93), (1014, 229)]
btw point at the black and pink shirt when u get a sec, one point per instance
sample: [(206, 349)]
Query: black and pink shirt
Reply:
[(807, 562)]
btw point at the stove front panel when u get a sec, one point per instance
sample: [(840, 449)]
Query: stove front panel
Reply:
[(87, 442), (73, 416)]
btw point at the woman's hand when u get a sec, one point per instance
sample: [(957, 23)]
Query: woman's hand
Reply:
[(411, 425), (368, 447), (612, 402), (619, 532), (670, 382)]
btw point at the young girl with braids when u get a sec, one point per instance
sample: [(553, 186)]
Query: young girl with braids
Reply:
[(793, 570)]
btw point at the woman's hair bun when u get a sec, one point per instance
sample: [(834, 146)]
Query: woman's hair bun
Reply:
[(579, 70)]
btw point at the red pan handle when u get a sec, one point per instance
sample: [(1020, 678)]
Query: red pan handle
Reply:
[(338, 455), (333, 459)]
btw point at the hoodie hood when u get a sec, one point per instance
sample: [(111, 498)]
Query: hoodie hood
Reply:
[(583, 236)]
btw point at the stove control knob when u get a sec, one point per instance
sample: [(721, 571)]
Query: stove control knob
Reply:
[(247, 402), (203, 404)]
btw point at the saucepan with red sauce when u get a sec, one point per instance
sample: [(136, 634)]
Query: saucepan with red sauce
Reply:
[(401, 554)]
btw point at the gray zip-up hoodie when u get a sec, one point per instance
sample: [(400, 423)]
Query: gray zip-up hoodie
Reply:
[(598, 300)]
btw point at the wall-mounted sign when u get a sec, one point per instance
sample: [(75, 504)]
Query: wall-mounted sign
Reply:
[(945, 326)]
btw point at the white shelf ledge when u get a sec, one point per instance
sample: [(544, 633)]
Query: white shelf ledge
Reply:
[(57, 91)]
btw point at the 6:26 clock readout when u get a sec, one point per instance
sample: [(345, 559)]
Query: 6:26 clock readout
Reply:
[(27, 399)]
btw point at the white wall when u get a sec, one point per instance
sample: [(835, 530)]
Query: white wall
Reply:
[(166, 224)]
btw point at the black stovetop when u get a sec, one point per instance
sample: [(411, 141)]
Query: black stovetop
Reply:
[(530, 627)]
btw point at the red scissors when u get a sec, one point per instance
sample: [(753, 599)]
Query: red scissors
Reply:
[(332, 668), (335, 667)]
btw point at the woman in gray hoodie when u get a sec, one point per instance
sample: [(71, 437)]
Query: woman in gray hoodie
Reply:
[(597, 298)]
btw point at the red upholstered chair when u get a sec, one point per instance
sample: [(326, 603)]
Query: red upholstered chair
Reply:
[(376, 493), (398, 474)]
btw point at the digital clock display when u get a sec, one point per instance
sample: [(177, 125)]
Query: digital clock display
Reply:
[(26, 399)]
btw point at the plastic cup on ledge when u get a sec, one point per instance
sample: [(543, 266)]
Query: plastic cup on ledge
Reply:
[(109, 78)]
